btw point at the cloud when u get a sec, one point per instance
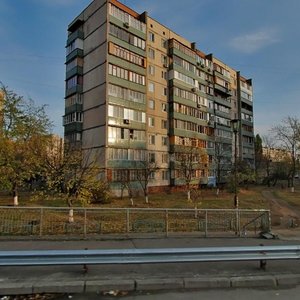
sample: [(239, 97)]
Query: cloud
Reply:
[(253, 42)]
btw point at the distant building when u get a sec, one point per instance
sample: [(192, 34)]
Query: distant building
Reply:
[(276, 154), (136, 91)]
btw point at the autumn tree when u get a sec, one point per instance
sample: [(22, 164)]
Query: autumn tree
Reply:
[(288, 135), (24, 133), (146, 169), (188, 164)]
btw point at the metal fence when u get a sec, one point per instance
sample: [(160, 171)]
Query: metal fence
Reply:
[(93, 222)]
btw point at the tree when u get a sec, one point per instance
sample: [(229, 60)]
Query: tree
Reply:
[(188, 162), (24, 133), (288, 134), (144, 173), (221, 161), (258, 153)]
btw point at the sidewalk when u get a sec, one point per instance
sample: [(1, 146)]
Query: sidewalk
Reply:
[(170, 276)]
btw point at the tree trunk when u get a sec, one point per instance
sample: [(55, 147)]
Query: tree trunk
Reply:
[(71, 215), (146, 199), (218, 192), (15, 195), (292, 189), (131, 200), (189, 195)]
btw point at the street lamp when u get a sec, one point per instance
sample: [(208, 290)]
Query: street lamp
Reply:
[(235, 128)]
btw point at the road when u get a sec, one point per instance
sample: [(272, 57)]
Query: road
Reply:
[(143, 277)]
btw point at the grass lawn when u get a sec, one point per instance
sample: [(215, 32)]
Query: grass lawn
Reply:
[(207, 199)]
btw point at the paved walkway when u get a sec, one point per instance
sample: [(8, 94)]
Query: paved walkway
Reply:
[(72, 279)]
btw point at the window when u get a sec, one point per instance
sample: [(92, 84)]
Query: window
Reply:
[(125, 74), (164, 124), (151, 53), (151, 104), (164, 60), (164, 142), (165, 158), (151, 36), (164, 43), (151, 87), (151, 139), (151, 70), (165, 91), (164, 74), (151, 157), (165, 175), (151, 122), (164, 107)]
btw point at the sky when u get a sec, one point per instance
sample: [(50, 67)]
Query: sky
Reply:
[(259, 38)]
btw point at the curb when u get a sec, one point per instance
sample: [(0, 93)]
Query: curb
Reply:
[(147, 284)]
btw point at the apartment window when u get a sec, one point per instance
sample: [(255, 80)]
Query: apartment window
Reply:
[(151, 157), (151, 139), (151, 53), (164, 142), (165, 91), (151, 70), (165, 175), (151, 36), (151, 87), (164, 74), (164, 60), (164, 124), (164, 107), (125, 74), (151, 104), (165, 158), (151, 122), (126, 36), (164, 43)]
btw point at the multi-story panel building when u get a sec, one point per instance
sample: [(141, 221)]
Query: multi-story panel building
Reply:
[(136, 91)]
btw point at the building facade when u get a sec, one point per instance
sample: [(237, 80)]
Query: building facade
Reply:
[(136, 91)]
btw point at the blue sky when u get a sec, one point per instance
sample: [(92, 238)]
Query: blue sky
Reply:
[(260, 38)]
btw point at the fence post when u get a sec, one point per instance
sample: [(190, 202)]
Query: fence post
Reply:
[(84, 224), (206, 220), (41, 220), (127, 220), (167, 223)]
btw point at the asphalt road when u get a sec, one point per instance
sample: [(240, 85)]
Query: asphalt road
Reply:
[(165, 276)]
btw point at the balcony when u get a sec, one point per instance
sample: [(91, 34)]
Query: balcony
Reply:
[(73, 127), (74, 71), (73, 90), (223, 90), (77, 107), (75, 53), (73, 36)]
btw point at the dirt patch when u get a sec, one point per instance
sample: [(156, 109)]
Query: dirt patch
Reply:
[(283, 214)]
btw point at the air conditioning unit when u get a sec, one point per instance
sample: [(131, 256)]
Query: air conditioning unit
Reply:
[(166, 65), (194, 89), (199, 105), (198, 63), (126, 24), (202, 65), (126, 121)]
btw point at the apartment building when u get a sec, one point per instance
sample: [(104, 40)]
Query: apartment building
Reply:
[(138, 92)]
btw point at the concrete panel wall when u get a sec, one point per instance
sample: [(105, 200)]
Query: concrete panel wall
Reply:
[(95, 58), (94, 78), (94, 137), (94, 97), (94, 117), (95, 39)]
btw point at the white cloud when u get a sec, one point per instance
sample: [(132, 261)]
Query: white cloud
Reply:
[(253, 42)]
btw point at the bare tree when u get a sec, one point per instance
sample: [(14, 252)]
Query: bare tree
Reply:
[(144, 174), (221, 162), (188, 163), (288, 134)]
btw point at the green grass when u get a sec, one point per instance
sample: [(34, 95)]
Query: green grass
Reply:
[(250, 198)]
